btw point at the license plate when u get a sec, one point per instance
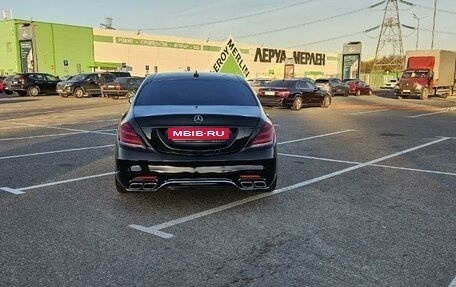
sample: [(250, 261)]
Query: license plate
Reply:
[(269, 93), (406, 91), (198, 134), (14, 82), (110, 86)]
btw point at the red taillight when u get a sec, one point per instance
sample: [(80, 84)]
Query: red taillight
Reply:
[(283, 94), (128, 136), (260, 92), (266, 136)]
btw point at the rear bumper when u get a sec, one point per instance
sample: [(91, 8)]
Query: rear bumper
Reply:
[(18, 88), (114, 92), (250, 169)]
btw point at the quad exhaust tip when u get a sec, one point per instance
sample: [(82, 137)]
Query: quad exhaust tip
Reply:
[(137, 186), (251, 185)]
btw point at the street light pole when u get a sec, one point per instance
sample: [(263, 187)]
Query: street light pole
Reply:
[(417, 30), (433, 25)]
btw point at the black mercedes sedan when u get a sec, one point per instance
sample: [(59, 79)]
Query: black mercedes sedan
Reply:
[(190, 129), (293, 94)]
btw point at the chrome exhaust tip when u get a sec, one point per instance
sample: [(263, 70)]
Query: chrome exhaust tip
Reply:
[(149, 186), (260, 184), (135, 186), (247, 184)]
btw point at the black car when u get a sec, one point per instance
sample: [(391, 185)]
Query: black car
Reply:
[(33, 84), (122, 87), (293, 93), (333, 86), (186, 129), (84, 84)]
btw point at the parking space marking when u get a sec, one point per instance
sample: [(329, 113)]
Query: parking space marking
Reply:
[(368, 112), (375, 165), (61, 128), (55, 151), (11, 190), (65, 181), (453, 283), (156, 229), (314, 137), (428, 114), (41, 136)]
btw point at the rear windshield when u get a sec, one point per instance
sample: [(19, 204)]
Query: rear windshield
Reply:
[(281, 84), (196, 92)]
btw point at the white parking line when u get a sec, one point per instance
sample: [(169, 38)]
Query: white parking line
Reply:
[(65, 181), (54, 152), (156, 229), (453, 283), (41, 136), (11, 190), (375, 165), (60, 128), (428, 114), (368, 112), (314, 137)]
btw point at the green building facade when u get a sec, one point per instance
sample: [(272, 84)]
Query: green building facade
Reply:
[(51, 48)]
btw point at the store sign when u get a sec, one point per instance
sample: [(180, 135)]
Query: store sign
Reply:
[(266, 55), (155, 43), (229, 60)]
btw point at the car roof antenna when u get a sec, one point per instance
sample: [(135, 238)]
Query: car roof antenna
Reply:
[(196, 75)]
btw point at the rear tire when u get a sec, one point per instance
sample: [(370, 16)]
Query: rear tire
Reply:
[(326, 102), (297, 104), (64, 95), (33, 91), (115, 97), (119, 187)]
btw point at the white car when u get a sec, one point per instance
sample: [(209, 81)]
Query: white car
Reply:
[(390, 84)]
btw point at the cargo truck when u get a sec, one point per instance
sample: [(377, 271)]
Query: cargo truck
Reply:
[(427, 73)]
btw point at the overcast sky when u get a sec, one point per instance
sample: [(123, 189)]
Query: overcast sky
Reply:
[(237, 17)]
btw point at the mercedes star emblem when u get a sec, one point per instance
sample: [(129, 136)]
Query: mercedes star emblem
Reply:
[(198, 119)]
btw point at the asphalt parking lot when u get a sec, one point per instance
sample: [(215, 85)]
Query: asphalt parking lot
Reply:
[(366, 197)]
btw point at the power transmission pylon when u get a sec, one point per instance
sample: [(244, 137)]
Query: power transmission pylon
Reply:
[(389, 60)]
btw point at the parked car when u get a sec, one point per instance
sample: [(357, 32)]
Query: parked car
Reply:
[(33, 84), (84, 84), (390, 84), (121, 74), (122, 87), (256, 84), (7, 84), (333, 86), (187, 129), (293, 93), (66, 77), (358, 87), (1, 83)]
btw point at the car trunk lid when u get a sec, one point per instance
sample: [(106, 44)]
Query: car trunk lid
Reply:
[(202, 130)]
